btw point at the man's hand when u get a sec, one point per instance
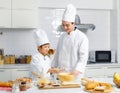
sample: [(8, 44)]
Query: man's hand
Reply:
[(76, 72), (55, 70)]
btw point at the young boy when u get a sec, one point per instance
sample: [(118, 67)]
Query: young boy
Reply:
[(40, 62)]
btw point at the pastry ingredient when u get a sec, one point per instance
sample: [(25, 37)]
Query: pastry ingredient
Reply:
[(24, 79), (96, 85), (65, 76), (5, 84), (116, 79), (43, 81), (91, 85)]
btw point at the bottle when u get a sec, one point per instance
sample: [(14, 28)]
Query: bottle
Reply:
[(15, 89)]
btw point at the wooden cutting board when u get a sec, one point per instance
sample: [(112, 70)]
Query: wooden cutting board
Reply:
[(59, 86)]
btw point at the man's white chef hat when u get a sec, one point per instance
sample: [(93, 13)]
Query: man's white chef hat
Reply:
[(69, 13), (41, 37)]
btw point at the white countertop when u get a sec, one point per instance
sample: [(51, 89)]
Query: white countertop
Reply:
[(69, 90), (73, 90), (103, 64), (14, 66)]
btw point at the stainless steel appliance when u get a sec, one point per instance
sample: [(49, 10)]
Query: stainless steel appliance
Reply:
[(102, 56)]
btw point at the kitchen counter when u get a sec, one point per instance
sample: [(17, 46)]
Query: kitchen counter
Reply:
[(69, 90), (73, 90), (28, 65), (14, 66), (103, 64)]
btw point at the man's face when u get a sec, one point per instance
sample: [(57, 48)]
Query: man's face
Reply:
[(68, 26)]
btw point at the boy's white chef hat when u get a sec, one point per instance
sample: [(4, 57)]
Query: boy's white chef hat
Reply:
[(41, 37), (69, 13)]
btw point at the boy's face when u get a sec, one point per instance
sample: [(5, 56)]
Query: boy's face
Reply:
[(68, 26), (44, 49)]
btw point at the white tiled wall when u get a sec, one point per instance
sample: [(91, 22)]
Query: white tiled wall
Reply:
[(21, 41)]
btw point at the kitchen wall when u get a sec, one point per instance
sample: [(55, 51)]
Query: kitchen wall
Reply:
[(17, 41), (21, 41), (82, 4), (99, 38)]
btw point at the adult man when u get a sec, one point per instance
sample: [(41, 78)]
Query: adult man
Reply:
[(72, 48)]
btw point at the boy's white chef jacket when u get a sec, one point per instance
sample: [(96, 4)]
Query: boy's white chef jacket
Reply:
[(72, 51), (40, 65)]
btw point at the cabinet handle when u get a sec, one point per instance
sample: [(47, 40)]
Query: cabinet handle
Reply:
[(89, 77), (21, 9), (25, 27), (112, 67), (110, 76), (2, 71), (94, 68), (22, 70)]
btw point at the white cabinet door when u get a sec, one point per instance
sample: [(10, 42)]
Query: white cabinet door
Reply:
[(94, 72), (5, 4), (24, 13), (102, 70), (5, 13), (109, 72), (24, 4), (5, 18), (18, 13), (24, 18), (17, 73), (5, 74)]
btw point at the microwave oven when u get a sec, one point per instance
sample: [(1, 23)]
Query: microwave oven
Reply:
[(102, 56)]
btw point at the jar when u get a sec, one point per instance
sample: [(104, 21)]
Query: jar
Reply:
[(22, 60), (28, 59), (22, 86)]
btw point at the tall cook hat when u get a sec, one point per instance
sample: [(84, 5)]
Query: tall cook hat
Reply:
[(41, 37), (69, 13)]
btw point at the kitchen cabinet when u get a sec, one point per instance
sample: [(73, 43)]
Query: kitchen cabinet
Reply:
[(5, 4), (24, 13), (24, 4), (5, 13), (17, 73), (115, 29), (18, 13), (109, 71), (5, 74), (24, 18), (102, 70), (5, 18), (94, 72), (11, 72)]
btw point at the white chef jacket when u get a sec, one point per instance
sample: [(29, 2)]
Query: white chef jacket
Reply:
[(40, 65), (72, 51)]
